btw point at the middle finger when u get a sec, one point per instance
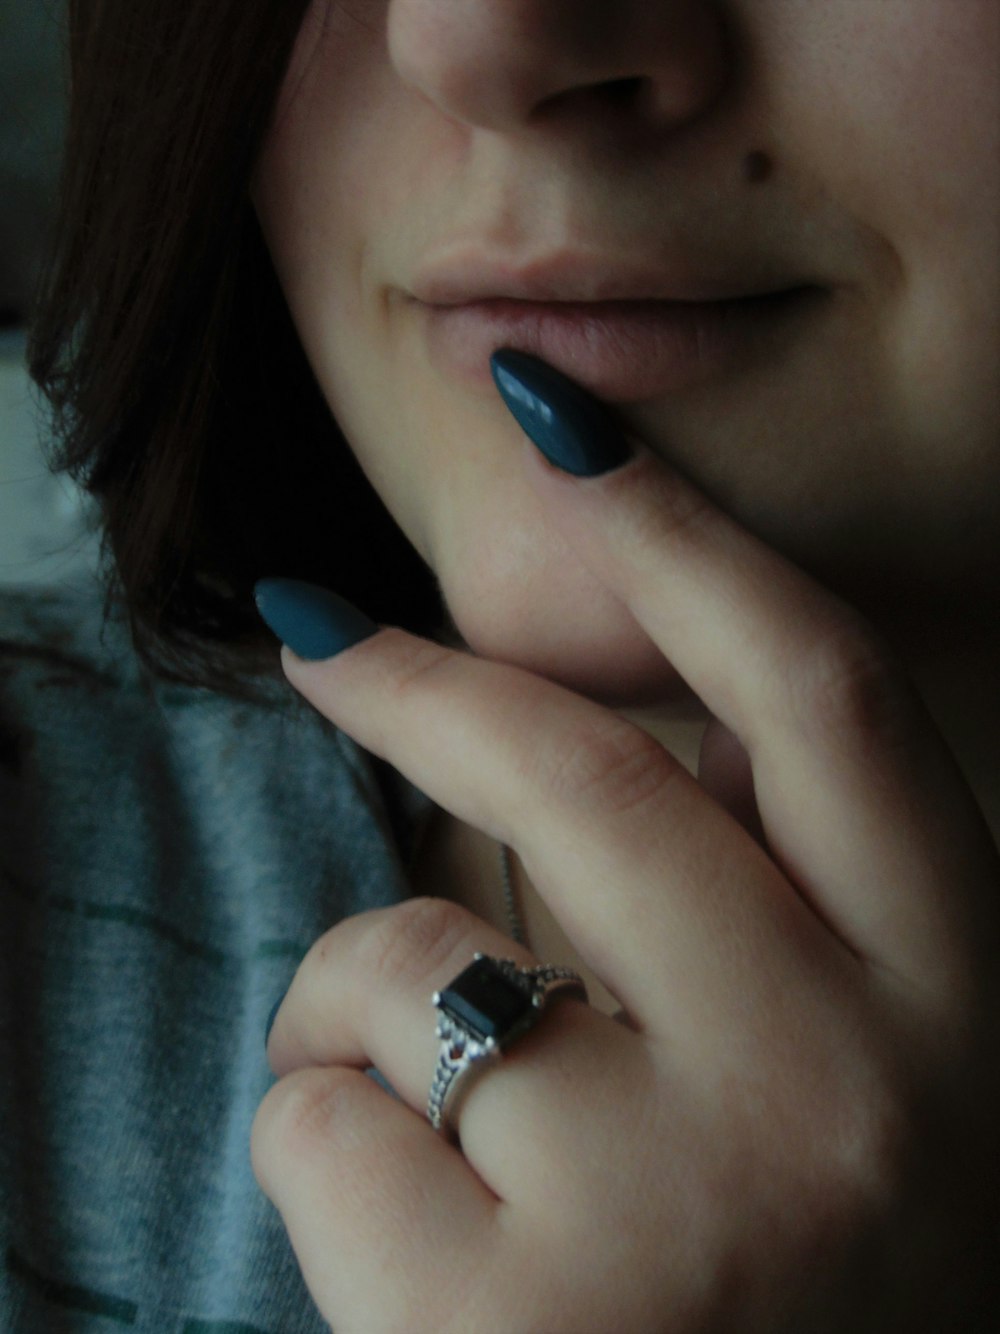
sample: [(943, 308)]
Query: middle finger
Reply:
[(674, 906)]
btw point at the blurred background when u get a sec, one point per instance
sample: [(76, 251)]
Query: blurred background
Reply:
[(44, 534)]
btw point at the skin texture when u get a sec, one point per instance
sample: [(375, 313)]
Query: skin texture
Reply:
[(802, 943), (868, 450)]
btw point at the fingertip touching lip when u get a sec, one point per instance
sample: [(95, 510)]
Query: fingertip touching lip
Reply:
[(623, 351)]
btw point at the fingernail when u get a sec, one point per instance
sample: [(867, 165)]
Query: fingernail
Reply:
[(574, 430), (313, 622), (271, 1018)]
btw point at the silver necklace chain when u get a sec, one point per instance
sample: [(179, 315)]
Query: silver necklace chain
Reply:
[(514, 920)]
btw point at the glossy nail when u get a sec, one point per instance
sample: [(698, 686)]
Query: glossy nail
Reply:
[(314, 623), (574, 430)]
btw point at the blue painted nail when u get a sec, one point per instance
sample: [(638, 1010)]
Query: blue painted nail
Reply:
[(574, 430), (271, 1018), (313, 622)]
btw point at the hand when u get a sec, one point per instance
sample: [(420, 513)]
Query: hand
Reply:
[(794, 1129)]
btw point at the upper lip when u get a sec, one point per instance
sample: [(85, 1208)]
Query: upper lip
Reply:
[(570, 276)]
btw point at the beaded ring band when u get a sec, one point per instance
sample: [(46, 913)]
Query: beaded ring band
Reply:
[(481, 1012)]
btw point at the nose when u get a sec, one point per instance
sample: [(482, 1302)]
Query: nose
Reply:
[(506, 65)]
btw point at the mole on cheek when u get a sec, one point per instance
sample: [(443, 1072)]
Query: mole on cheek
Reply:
[(757, 166)]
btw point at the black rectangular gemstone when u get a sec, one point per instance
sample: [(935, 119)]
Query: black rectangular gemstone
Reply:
[(485, 1001)]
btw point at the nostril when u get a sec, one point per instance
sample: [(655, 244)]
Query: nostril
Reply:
[(612, 95), (618, 92)]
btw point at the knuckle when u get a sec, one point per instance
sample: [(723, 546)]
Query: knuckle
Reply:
[(873, 1153), (607, 764), (333, 1125), (418, 664), (852, 686), (679, 513), (871, 1139), (298, 1116), (409, 943), (321, 950)]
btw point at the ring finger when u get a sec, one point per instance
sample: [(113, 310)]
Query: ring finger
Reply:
[(362, 997)]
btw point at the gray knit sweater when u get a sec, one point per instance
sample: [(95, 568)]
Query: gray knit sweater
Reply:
[(167, 856)]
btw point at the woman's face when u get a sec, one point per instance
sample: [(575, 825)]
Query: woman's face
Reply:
[(444, 177)]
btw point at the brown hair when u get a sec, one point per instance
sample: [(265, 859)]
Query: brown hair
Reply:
[(181, 397)]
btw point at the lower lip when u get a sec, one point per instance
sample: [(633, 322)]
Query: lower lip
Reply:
[(622, 351)]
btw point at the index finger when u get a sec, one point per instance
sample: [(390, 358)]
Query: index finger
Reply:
[(863, 805)]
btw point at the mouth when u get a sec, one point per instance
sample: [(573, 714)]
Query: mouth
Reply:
[(623, 350), (623, 329)]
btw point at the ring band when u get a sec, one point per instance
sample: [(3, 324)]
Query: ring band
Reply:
[(481, 1012)]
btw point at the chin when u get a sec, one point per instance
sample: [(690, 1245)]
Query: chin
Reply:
[(604, 654)]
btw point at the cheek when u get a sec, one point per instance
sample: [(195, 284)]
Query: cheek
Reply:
[(452, 475), (948, 353), (893, 107), (894, 110), (331, 167)]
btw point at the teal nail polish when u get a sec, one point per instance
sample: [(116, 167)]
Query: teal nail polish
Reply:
[(574, 430), (313, 622), (272, 1016)]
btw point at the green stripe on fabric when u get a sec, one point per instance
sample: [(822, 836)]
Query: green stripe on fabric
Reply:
[(123, 914), (280, 949), (72, 1295)]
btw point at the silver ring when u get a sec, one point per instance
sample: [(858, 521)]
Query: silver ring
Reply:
[(481, 1012)]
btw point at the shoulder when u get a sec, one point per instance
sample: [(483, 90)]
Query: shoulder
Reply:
[(60, 633), (81, 716), (71, 678)]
